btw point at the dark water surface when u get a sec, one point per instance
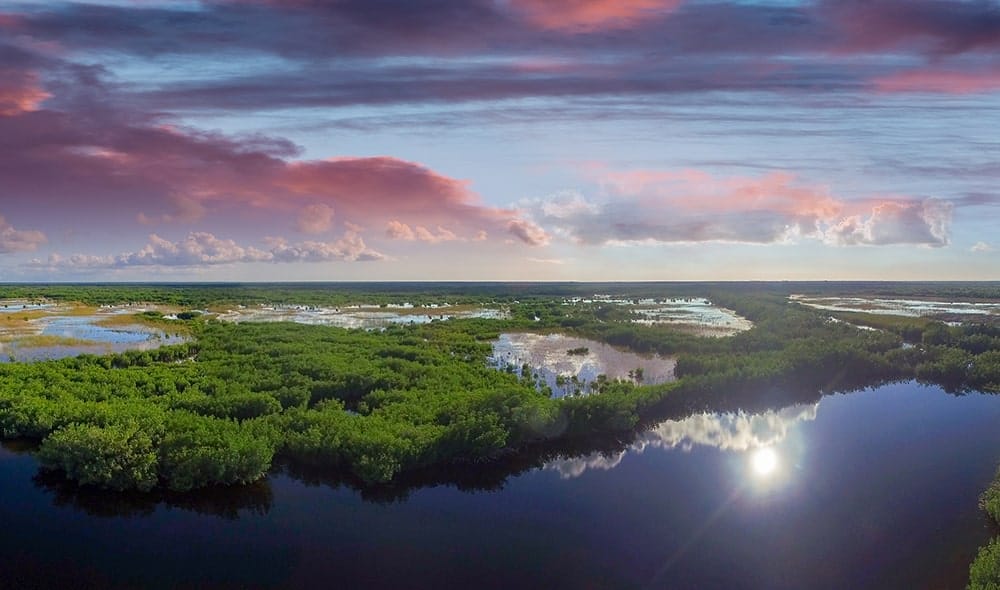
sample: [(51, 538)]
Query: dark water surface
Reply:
[(875, 489)]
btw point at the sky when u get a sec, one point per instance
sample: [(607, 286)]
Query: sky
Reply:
[(283, 140)]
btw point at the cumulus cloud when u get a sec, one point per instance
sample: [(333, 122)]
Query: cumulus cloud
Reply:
[(198, 249), (315, 219), (16, 240), (350, 247), (924, 222), (202, 249), (981, 247), (663, 206), (397, 230), (528, 232)]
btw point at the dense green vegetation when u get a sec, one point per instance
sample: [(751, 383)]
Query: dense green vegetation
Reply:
[(984, 573), (223, 407)]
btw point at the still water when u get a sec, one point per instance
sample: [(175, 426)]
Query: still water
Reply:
[(569, 365), (93, 339), (873, 489)]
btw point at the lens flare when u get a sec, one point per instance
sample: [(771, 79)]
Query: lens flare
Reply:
[(764, 462)]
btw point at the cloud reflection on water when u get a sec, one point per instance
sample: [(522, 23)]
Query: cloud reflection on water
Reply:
[(728, 432)]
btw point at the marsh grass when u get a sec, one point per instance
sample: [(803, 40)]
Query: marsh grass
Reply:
[(143, 319), (50, 340), (910, 328)]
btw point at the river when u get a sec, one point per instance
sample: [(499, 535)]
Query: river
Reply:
[(871, 489)]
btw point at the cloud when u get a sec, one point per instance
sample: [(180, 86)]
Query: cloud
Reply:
[(185, 210), (923, 222), (140, 167), (391, 27), (202, 249), (396, 230), (20, 92), (528, 232), (16, 240), (666, 206), (351, 247), (940, 81), (589, 15), (621, 49), (198, 249), (981, 247), (314, 219), (940, 27)]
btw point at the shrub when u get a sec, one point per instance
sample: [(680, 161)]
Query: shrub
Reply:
[(984, 573), (117, 457), (198, 451), (990, 500)]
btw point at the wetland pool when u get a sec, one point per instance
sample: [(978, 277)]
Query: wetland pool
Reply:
[(903, 307), (35, 332), (569, 365)]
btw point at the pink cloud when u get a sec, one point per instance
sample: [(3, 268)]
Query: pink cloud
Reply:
[(940, 26), (697, 190), (168, 174), (528, 232), (396, 230), (16, 240), (665, 206), (940, 81), (589, 15), (20, 92), (315, 219)]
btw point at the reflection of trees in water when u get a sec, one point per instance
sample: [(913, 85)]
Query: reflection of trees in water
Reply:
[(19, 446), (486, 476), (229, 503), (591, 451)]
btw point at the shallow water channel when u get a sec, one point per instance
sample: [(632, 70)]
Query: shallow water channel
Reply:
[(868, 490)]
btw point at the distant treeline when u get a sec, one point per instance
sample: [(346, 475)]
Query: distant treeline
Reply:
[(200, 295)]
